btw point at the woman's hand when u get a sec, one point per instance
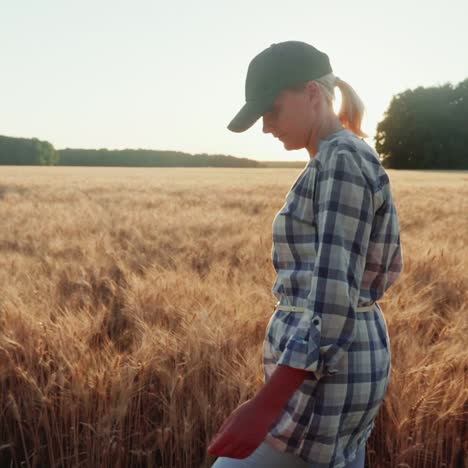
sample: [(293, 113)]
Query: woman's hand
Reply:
[(243, 431)]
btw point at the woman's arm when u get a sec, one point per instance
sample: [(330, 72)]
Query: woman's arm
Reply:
[(280, 387)]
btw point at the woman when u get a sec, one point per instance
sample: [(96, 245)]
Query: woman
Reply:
[(336, 250)]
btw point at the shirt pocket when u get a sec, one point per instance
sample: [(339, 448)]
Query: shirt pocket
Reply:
[(298, 203), (299, 208)]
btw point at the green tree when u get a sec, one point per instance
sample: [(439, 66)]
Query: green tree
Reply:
[(426, 128), (24, 151)]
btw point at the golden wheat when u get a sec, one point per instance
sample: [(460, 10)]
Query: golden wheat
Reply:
[(134, 303)]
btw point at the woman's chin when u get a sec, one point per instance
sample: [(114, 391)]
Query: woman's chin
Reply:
[(289, 145), (285, 142)]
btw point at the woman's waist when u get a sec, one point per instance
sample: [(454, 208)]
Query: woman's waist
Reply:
[(298, 304)]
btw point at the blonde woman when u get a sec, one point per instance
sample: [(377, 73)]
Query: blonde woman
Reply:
[(336, 250)]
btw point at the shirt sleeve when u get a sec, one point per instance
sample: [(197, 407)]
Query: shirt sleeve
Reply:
[(343, 208)]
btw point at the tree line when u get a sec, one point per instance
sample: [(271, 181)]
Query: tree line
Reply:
[(149, 158), (424, 128), (32, 152)]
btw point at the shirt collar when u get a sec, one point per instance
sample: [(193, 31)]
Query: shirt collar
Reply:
[(324, 142)]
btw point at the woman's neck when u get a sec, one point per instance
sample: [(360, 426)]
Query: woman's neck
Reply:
[(331, 126)]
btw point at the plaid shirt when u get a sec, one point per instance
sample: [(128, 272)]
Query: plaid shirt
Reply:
[(336, 247)]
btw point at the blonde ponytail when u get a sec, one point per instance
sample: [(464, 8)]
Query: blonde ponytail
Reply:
[(352, 107)]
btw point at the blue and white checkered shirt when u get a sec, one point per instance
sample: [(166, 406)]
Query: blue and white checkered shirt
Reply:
[(336, 247)]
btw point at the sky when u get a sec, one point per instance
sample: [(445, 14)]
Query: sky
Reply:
[(170, 75)]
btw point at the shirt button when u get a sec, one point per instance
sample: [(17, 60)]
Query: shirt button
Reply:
[(316, 321)]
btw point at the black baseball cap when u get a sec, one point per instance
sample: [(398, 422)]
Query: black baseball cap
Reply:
[(276, 68)]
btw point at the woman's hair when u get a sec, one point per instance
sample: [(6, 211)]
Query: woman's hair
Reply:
[(352, 107)]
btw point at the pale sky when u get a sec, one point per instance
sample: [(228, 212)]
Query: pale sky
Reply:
[(170, 75)]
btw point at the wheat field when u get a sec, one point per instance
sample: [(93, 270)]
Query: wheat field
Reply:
[(134, 303)]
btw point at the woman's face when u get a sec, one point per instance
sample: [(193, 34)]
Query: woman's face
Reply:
[(292, 116)]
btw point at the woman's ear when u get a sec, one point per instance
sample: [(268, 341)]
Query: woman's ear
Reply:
[(313, 92)]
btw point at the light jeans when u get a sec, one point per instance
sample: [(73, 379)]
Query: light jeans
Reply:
[(265, 456)]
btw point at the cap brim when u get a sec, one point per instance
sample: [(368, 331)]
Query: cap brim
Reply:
[(250, 113)]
